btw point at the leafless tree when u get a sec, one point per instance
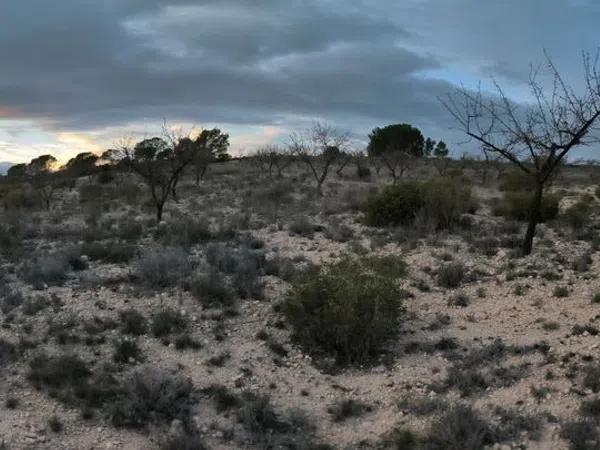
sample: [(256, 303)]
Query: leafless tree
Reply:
[(319, 148), (537, 136), (272, 159), (397, 162)]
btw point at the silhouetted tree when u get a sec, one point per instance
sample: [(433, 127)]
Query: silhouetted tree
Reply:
[(210, 145), (39, 175), (17, 172), (536, 136), (82, 165), (160, 165)]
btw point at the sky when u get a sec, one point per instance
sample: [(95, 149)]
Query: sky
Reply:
[(79, 75)]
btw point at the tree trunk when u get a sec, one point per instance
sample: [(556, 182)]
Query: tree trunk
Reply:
[(159, 212), (174, 190), (534, 218)]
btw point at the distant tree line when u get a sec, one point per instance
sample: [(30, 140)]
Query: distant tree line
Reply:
[(159, 161)]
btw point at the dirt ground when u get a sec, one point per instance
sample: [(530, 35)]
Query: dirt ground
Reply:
[(509, 298)]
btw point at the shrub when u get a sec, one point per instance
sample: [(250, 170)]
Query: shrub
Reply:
[(55, 424), (258, 415), (130, 230), (451, 275), (343, 309), (582, 435), (11, 402), (34, 305), (591, 407), (211, 289), (126, 351), (395, 205), (152, 395), (58, 371), (302, 226), (132, 322), (577, 215), (10, 299), (517, 206), (110, 252), (51, 269), (161, 267), (184, 231), (246, 278), (184, 341), (389, 266), (8, 352), (89, 193), (168, 321), (561, 291), (347, 408), (460, 299), (182, 439), (440, 202), (224, 399), (460, 428), (245, 265)]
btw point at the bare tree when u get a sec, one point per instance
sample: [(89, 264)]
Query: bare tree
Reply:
[(319, 148), (272, 159), (397, 161), (537, 136)]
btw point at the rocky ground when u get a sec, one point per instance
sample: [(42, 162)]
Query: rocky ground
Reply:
[(515, 339)]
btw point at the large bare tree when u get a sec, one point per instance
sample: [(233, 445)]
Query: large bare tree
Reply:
[(535, 136), (319, 148)]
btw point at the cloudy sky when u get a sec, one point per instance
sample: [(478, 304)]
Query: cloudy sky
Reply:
[(76, 75)]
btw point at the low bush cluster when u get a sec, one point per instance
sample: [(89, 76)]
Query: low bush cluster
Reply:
[(162, 267), (439, 202), (344, 309)]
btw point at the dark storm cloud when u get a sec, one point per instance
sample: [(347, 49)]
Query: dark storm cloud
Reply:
[(82, 64)]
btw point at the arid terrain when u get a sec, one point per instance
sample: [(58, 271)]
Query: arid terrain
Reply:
[(118, 332)]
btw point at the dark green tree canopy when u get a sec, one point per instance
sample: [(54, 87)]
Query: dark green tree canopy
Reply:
[(17, 171), (82, 164), (41, 164), (150, 149), (213, 142), (441, 150), (399, 137)]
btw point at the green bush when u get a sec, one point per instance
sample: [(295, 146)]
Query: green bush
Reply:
[(395, 205), (517, 206), (440, 202), (344, 309)]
